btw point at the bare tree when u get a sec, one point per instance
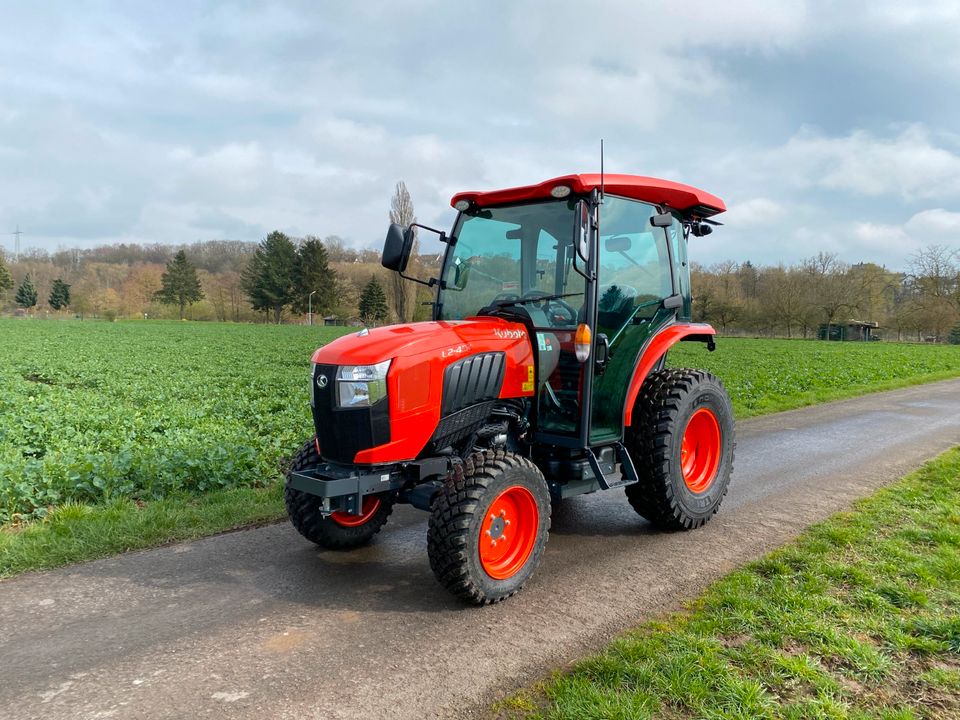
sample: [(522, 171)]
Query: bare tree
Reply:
[(833, 292), (403, 291), (936, 270)]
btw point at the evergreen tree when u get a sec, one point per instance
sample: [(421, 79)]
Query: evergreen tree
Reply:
[(59, 295), (314, 274), (26, 294), (954, 337), (269, 279), (6, 280), (179, 284), (373, 303)]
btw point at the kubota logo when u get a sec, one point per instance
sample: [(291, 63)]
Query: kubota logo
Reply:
[(321, 381)]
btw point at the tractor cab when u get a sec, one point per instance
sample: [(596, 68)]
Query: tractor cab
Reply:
[(588, 279), (540, 376)]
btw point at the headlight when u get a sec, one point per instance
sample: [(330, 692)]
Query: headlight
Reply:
[(361, 385)]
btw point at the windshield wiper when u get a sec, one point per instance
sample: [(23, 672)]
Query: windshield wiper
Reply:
[(541, 298)]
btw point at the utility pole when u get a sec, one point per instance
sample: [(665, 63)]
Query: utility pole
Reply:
[(310, 306), (16, 243)]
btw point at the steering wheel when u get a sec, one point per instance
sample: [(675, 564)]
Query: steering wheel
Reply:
[(554, 308)]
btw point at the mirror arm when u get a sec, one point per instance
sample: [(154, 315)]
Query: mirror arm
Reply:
[(441, 233), (429, 283)]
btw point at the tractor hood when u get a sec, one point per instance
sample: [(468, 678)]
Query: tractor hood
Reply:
[(443, 338)]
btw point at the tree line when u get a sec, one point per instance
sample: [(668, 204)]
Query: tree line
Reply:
[(282, 278), (278, 279), (920, 303)]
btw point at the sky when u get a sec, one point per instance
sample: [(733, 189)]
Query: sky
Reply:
[(824, 126)]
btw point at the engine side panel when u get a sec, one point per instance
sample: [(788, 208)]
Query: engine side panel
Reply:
[(415, 383)]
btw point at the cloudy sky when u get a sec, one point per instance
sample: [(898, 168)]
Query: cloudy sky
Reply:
[(825, 126)]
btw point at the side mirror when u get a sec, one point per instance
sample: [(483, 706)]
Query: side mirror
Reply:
[(396, 248), (662, 220), (674, 302), (581, 229)]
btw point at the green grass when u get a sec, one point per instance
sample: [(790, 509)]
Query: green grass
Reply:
[(126, 416), (75, 531), (859, 618)]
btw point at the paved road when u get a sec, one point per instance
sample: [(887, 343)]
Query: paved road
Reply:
[(260, 624)]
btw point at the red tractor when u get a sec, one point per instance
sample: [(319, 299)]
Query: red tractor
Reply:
[(541, 376)]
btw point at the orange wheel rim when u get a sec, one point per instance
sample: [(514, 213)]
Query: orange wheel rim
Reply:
[(700, 450), (371, 503), (508, 532)]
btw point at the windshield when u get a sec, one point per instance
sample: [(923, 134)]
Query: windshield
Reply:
[(510, 254)]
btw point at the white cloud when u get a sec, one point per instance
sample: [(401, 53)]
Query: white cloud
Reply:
[(907, 164), (756, 212), (128, 122), (938, 225)]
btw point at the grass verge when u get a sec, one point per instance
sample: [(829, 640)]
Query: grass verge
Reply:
[(76, 532), (858, 618)]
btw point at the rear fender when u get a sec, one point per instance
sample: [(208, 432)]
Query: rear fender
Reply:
[(656, 348)]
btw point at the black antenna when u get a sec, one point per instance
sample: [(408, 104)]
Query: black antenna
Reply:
[(601, 171)]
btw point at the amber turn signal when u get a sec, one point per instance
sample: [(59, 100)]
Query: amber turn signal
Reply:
[(582, 342)]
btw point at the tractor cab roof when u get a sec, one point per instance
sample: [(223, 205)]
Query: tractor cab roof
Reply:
[(686, 199)]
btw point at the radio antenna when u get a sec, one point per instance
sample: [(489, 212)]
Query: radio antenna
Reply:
[(601, 171)]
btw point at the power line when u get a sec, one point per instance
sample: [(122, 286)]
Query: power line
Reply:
[(16, 243)]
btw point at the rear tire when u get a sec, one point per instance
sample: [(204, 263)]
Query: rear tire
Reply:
[(488, 526), (339, 531), (682, 445)]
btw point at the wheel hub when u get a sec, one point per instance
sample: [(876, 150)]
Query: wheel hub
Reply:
[(498, 524), (371, 503)]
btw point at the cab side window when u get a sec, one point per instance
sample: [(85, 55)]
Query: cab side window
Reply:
[(634, 264)]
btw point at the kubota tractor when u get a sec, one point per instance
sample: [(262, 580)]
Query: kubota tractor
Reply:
[(541, 376)]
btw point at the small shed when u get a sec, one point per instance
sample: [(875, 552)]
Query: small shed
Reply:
[(849, 330)]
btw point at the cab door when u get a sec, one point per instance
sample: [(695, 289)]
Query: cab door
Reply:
[(634, 275)]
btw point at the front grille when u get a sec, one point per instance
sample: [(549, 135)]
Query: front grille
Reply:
[(343, 432), (472, 380)]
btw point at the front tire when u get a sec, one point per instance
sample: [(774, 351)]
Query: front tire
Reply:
[(488, 526), (682, 445), (339, 531)]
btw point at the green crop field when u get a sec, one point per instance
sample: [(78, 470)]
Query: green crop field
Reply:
[(91, 412), (764, 376), (95, 411)]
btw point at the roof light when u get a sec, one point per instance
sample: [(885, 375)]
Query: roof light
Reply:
[(560, 191), (582, 342), (462, 205)]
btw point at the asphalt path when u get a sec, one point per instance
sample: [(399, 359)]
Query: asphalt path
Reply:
[(261, 624)]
